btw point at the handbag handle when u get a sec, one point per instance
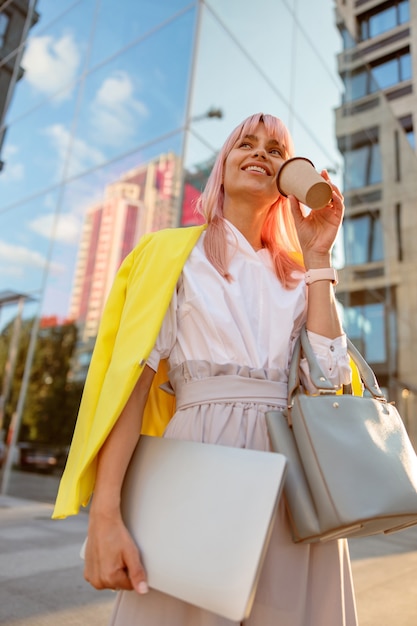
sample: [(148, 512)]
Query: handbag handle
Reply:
[(319, 380)]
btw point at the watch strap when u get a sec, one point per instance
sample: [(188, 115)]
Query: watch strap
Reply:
[(323, 273)]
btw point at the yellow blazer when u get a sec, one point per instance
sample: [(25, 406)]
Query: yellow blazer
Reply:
[(130, 325)]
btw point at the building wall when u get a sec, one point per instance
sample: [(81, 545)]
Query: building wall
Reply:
[(16, 17), (383, 116)]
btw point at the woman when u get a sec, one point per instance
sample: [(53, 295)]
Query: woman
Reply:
[(231, 299)]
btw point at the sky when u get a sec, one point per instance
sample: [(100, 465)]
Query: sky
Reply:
[(97, 91)]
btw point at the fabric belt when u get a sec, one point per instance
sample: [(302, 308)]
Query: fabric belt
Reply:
[(230, 388)]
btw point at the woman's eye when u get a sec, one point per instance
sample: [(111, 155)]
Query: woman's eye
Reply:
[(277, 152), (245, 144)]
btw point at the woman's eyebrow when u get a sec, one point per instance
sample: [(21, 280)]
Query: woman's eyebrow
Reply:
[(270, 142)]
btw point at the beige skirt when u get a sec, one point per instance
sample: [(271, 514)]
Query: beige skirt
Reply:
[(300, 585)]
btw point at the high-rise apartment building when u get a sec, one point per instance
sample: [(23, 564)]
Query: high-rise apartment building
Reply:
[(144, 199), (375, 127)]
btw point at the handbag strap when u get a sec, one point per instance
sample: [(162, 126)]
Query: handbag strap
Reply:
[(318, 378)]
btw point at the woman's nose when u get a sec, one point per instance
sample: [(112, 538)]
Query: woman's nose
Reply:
[(260, 152)]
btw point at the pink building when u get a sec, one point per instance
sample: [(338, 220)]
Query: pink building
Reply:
[(145, 199)]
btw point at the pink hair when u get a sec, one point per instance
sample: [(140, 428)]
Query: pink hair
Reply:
[(278, 233)]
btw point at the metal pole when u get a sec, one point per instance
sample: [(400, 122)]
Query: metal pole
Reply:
[(188, 108), (11, 360), (17, 417)]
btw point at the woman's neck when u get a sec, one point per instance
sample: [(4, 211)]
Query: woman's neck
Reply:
[(247, 220)]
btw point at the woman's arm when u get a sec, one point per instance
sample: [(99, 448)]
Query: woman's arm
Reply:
[(112, 560), (317, 233), (322, 315)]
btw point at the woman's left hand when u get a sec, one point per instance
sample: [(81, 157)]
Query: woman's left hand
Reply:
[(317, 231)]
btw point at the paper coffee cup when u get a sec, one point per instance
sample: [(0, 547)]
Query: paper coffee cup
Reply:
[(298, 177)]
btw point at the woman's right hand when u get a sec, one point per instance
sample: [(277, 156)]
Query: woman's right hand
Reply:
[(112, 559)]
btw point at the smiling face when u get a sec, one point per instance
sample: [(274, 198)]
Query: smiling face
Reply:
[(251, 168)]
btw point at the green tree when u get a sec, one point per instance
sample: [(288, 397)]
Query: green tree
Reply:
[(52, 400)]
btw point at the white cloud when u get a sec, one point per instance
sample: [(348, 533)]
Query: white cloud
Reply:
[(13, 170), (115, 110), (14, 259), (51, 64), (67, 227), (83, 155)]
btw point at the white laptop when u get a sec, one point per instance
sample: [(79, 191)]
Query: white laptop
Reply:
[(202, 515)]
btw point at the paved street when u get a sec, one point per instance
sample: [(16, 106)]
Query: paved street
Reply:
[(41, 581)]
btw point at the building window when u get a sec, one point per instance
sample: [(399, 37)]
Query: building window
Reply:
[(408, 127), (362, 165), (4, 23), (363, 238), (393, 70), (365, 327), (347, 38), (388, 72), (383, 18)]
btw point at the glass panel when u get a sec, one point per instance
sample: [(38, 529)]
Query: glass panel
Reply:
[(386, 74), (25, 239), (363, 238), (411, 138), (356, 165), (383, 21), (50, 10), (406, 72), (141, 192), (377, 249), (348, 41), (117, 28), (375, 169), (356, 325), (139, 96), (365, 326), (36, 152), (54, 58), (404, 12), (356, 86), (375, 341), (275, 69), (357, 232), (362, 166)]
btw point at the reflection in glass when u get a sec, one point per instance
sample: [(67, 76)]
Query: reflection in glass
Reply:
[(54, 56), (365, 326), (362, 166), (363, 238), (381, 19), (36, 152), (117, 29), (382, 75), (113, 207), (137, 98), (25, 239), (392, 71)]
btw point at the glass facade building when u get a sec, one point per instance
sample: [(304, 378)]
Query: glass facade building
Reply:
[(121, 110)]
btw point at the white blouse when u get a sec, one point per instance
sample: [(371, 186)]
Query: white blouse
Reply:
[(251, 321)]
